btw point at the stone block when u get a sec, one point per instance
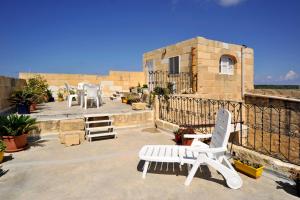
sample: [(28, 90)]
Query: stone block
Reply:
[(68, 137), (139, 106), (71, 139), (71, 125)]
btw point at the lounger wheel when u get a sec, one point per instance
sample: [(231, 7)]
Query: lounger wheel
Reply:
[(234, 182)]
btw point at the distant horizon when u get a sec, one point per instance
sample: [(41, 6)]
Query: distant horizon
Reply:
[(94, 37)]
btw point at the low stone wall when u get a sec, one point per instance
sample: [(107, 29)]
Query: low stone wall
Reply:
[(120, 120), (7, 86), (114, 81)]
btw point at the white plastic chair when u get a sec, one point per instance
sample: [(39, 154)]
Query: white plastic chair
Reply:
[(92, 93), (70, 96), (199, 153)]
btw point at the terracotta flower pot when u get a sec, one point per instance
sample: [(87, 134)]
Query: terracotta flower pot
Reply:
[(187, 142), (15, 143), (178, 139), (33, 107)]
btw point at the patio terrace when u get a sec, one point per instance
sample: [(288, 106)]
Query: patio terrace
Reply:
[(60, 110), (110, 169)]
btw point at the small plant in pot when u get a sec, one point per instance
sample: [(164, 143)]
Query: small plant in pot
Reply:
[(14, 129), (185, 131), (178, 137), (60, 96), (22, 100), (2, 149), (133, 98), (50, 96)]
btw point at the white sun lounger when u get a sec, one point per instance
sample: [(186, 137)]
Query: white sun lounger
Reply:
[(199, 153)]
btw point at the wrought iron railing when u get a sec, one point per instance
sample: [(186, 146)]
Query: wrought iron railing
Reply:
[(272, 129), (182, 81)]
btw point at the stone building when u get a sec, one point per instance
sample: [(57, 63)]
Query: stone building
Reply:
[(209, 68)]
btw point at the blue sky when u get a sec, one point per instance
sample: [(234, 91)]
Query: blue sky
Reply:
[(72, 36)]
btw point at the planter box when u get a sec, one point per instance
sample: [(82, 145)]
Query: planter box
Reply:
[(124, 99), (1, 156), (248, 170)]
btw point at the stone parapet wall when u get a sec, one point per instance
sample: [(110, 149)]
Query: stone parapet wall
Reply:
[(114, 81), (7, 86)]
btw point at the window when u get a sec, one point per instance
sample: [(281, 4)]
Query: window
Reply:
[(174, 65), (226, 65)]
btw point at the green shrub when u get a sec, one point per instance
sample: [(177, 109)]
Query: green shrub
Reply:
[(38, 86), (15, 125)]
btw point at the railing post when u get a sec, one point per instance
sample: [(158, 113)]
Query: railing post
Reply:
[(156, 108)]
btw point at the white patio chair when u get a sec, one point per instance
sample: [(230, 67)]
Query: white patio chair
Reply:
[(199, 153), (70, 96), (92, 93)]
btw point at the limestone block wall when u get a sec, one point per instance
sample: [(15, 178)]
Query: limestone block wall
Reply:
[(210, 82), (7, 86), (114, 81)]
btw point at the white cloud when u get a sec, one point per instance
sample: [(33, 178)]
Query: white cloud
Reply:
[(228, 3), (269, 77), (290, 75)]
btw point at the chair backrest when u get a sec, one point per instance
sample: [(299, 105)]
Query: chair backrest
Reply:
[(67, 88), (91, 91), (81, 84), (221, 133)]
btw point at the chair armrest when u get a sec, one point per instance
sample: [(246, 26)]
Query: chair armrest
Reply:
[(207, 150), (197, 136)]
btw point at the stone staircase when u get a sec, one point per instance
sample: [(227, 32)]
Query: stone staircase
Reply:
[(98, 125)]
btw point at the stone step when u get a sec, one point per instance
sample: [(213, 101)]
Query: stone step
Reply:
[(100, 134), (99, 121), (102, 128)]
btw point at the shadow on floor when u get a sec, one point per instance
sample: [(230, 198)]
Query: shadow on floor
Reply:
[(291, 189), (174, 169), (3, 172), (7, 158), (36, 141)]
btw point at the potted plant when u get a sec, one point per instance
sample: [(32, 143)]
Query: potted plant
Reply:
[(60, 96), (184, 131), (295, 175), (133, 98), (178, 137), (14, 129), (38, 86), (22, 100), (50, 96), (2, 149), (253, 170), (124, 99)]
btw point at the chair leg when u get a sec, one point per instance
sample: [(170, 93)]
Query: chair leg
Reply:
[(146, 165), (85, 103), (97, 102), (70, 102)]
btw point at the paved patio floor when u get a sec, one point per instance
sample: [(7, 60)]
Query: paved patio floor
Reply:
[(60, 110), (110, 169)]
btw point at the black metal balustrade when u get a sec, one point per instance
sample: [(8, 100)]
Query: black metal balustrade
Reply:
[(273, 130), (182, 81)]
